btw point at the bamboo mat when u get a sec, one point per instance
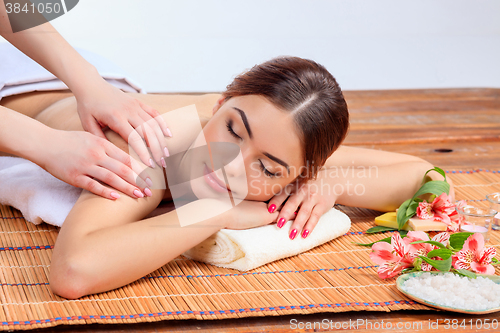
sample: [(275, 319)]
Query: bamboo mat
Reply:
[(335, 277)]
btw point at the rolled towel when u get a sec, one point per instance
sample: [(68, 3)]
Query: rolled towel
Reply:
[(36, 193), (247, 249)]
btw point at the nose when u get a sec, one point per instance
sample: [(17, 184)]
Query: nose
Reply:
[(228, 156), (236, 168)]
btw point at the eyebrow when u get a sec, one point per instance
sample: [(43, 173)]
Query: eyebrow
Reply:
[(245, 121), (247, 126)]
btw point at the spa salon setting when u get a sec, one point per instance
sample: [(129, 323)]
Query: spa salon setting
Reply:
[(250, 166)]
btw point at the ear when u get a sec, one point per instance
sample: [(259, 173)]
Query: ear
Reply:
[(218, 104)]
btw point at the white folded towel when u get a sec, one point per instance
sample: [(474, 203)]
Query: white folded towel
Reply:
[(35, 192), (247, 249), (20, 74)]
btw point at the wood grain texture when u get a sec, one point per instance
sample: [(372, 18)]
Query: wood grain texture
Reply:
[(423, 116)]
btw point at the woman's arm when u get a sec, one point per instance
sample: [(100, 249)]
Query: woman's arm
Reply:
[(104, 244), (376, 179), (356, 177)]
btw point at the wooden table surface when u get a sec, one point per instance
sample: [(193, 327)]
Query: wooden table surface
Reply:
[(451, 128)]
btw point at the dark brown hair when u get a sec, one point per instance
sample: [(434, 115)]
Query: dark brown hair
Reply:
[(311, 93)]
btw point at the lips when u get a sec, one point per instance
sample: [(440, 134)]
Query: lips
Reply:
[(213, 181)]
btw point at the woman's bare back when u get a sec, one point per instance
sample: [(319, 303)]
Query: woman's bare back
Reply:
[(59, 111)]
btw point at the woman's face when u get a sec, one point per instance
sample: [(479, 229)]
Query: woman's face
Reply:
[(270, 152)]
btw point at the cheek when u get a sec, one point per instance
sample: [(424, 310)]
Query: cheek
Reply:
[(213, 132), (263, 188)]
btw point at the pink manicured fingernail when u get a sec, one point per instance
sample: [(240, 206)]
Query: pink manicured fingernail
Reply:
[(149, 182), (272, 208), (293, 234), (148, 192), (114, 195), (138, 194), (281, 221), (305, 233), (169, 133), (163, 162), (151, 163), (165, 150)]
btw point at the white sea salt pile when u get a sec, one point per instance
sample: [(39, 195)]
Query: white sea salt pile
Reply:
[(455, 291)]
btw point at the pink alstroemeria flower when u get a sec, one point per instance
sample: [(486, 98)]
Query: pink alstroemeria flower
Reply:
[(441, 209), (475, 256), (392, 258), (421, 249)]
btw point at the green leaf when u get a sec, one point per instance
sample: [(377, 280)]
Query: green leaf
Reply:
[(412, 208), (439, 170), (379, 228), (388, 240), (458, 239), (494, 261), (401, 215), (466, 273), (441, 253), (436, 187), (438, 244), (403, 233), (409, 207), (442, 265), (417, 263)]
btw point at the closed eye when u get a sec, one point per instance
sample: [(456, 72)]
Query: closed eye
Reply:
[(266, 172), (229, 125)]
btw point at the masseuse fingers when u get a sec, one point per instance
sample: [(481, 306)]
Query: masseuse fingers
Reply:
[(135, 141), (95, 187), (127, 175), (158, 118), (91, 125), (135, 170), (154, 145), (109, 177), (157, 143)]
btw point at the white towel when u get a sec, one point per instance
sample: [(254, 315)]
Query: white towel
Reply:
[(247, 249), (19, 74), (35, 192)]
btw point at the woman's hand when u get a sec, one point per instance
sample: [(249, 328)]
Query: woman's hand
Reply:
[(307, 202), (102, 104), (78, 157), (250, 214)]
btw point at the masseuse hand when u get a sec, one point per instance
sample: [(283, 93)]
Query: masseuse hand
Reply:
[(102, 104), (308, 201), (77, 157)]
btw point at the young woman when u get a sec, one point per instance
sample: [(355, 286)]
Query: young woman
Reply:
[(288, 118)]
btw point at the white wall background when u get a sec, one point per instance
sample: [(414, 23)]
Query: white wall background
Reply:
[(199, 46)]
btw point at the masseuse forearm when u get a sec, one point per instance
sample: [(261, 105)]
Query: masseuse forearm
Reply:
[(47, 47), (21, 135)]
